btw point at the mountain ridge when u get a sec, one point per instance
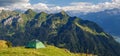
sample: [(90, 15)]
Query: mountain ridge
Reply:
[(108, 20), (61, 30)]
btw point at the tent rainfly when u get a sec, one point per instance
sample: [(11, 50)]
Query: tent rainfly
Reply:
[(35, 44)]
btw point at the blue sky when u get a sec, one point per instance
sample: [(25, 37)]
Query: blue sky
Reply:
[(66, 2)]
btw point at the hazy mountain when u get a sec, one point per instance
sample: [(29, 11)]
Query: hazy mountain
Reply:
[(109, 20), (60, 30)]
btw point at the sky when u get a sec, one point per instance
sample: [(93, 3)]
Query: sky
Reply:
[(66, 2), (53, 6)]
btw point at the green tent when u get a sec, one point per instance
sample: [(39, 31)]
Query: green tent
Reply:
[(35, 44)]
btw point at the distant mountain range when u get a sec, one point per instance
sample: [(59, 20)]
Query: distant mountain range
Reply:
[(109, 20), (59, 29)]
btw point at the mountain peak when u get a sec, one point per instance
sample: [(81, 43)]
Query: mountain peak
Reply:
[(29, 11), (43, 13), (60, 30), (62, 13)]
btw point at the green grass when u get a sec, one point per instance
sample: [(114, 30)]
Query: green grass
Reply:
[(22, 51), (48, 51), (87, 29)]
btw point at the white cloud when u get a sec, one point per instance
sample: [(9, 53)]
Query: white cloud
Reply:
[(40, 7), (14, 4), (24, 5), (75, 7), (116, 1), (10, 2), (89, 7)]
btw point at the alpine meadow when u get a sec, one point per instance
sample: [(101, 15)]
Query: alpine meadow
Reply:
[(59, 28)]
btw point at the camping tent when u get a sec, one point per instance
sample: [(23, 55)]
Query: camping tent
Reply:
[(35, 44)]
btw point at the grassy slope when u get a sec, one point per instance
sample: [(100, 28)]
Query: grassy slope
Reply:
[(48, 51)]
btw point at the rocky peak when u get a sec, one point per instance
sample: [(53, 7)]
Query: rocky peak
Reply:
[(29, 11)]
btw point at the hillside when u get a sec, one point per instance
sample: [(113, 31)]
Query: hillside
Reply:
[(109, 20), (48, 51), (59, 29)]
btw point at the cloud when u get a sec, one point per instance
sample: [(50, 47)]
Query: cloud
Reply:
[(89, 7), (14, 4), (10, 2), (23, 5), (116, 1), (74, 7)]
